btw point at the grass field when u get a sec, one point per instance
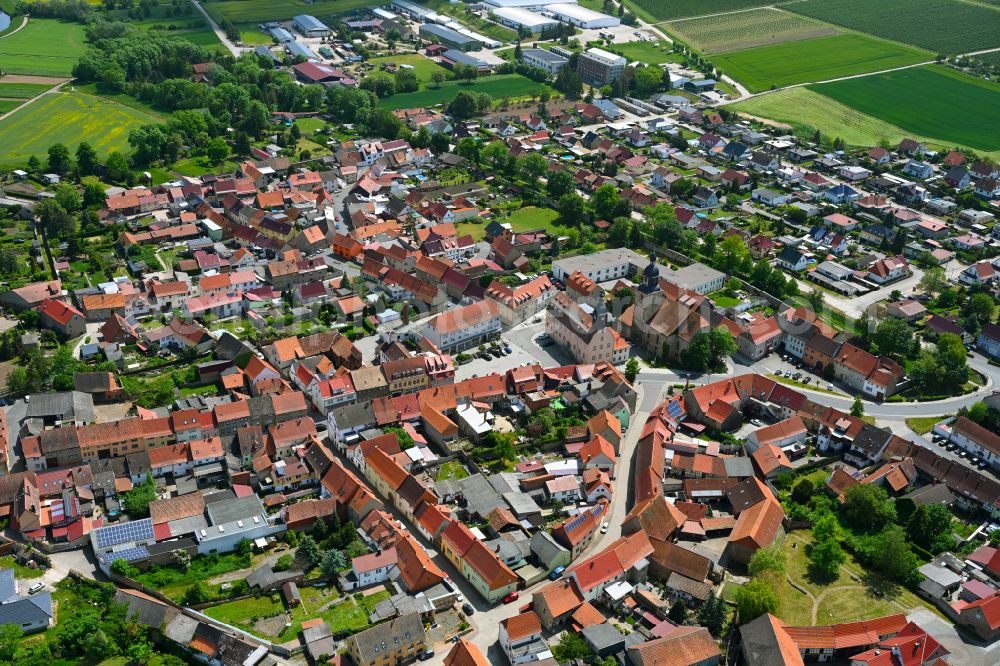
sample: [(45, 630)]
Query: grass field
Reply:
[(838, 600), (941, 26), (192, 27), (525, 219), (22, 90), (348, 615), (257, 11), (922, 424), (651, 53), (972, 123), (8, 105), (660, 10), (806, 111), (68, 118), (45, 47), (497, 86), (815, 60), (745, 30), (422, 66)]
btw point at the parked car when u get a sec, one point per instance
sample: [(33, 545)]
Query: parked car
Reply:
[(511, 598), (806, 380), (777, 373), (37, 587), (468, 609), (756, 422), (557, 573), (426, 654), (604, 528)]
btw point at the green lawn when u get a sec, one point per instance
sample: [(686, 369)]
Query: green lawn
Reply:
[(422, 66), (451, 470), (820, 59), (348, 616), (814, 386), (9, 105), (744, 30), (45, 47), (497, 86), (972, 123), (839, 600), (172, 581), (198, 166), (525, 219), (257, 11), (922, 424), (651, 53), (724, 301), (21, 571), (68, 118)]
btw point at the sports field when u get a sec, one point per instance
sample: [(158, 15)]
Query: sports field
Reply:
[(45, 47), (497, 86), (745, 30), (257, 11), (664, 10), (962, 109), (68, 118), (941, 26), (422, 66), (816, 60)]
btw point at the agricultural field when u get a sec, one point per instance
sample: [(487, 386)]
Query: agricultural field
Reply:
[(259, 11), (68, 118), (7, 105), (21, 90), (941, 26), (992, 58), (191, 26), (971, 123), (651, 53), (659, 10), (746, 30), (422, 66), (822, 59), (44, 47), (497, 86), (805, 111)]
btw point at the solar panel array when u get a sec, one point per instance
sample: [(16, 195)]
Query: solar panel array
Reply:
[(674, 409), (134, 530), (129, 555)]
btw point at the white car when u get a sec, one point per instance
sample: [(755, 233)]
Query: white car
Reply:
[(604, 528), (37, 587)]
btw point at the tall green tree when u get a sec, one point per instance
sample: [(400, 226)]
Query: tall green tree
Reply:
[(755, 599)]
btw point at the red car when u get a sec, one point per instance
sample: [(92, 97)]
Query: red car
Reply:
[(510, 597)]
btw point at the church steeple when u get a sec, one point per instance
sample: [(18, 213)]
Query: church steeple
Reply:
[(650, 276)]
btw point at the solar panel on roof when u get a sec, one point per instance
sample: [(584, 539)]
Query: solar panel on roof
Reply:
[(129, 555), (135, 530), (674, 409)]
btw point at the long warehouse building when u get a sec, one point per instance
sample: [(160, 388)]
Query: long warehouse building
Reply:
[(517, 18), (582, 17), (442, 35)]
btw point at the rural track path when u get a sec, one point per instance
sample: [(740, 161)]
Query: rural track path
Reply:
[(24, 22), (235, 50)]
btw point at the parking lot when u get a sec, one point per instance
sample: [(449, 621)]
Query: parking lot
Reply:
[(524, 350), (770, 365)]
